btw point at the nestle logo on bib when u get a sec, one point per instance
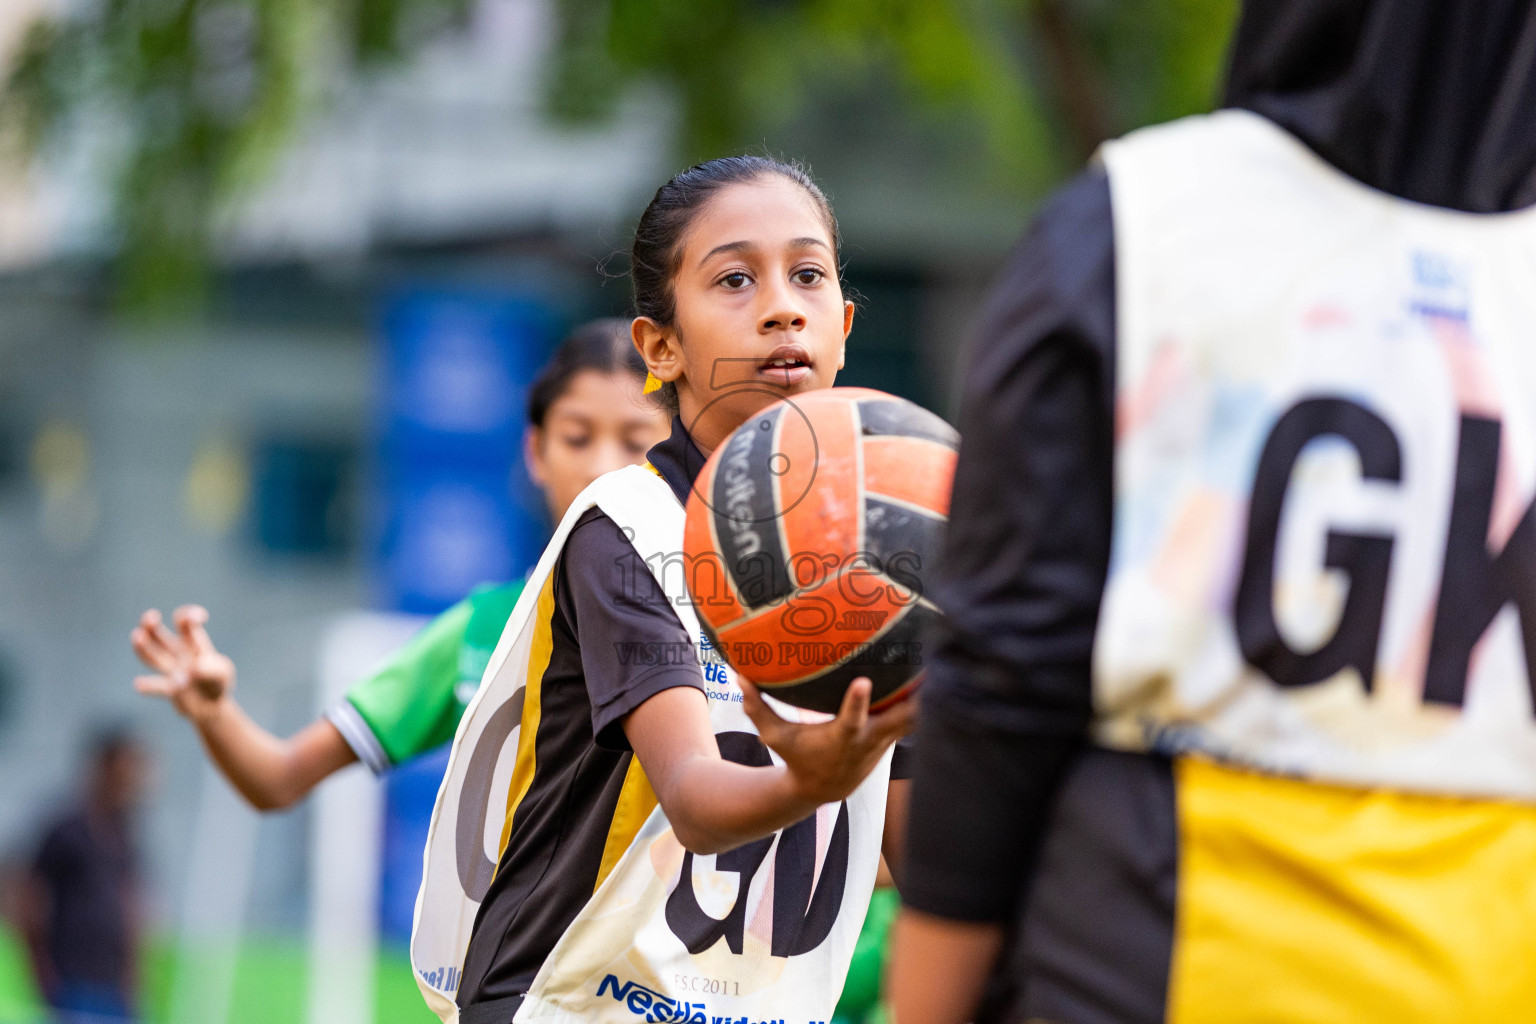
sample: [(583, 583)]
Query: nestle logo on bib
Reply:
[(650, 1004), (656, 1008)]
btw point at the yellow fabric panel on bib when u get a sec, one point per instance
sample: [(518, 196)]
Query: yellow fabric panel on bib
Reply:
[(527, 740), (1311, 904), (636, 802)]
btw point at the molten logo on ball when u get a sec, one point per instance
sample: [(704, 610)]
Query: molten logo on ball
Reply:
[(809, 534)]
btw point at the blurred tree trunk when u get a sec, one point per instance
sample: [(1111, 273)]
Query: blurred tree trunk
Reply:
[(1078, 88)]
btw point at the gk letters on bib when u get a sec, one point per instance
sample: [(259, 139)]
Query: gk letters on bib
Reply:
[(765, 931), (1324, 550)]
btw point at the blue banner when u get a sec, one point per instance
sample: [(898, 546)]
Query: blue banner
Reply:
[(453, 505)]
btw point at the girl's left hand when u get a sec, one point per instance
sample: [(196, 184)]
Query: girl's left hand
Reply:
[(826, 761), (190, 671)]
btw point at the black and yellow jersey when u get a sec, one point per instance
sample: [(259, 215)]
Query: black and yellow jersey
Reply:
[(607, 639), (586, 797)]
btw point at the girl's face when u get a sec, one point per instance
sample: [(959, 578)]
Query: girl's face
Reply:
[(601, 422), (760, 314)]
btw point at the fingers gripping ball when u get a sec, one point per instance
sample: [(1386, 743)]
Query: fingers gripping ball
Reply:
[(811, 533)]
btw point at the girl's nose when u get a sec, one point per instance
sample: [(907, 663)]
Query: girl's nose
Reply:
[(783, 318), (783, 313), (608, 457)]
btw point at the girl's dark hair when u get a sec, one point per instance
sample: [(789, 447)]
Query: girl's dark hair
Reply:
[(601, 345), (657, 249)]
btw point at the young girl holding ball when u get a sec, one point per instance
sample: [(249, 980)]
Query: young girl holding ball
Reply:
[(626, 849)]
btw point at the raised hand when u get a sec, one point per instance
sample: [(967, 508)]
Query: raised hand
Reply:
[(827, 760), (188, 670)]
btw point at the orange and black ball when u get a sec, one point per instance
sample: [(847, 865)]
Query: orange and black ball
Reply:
[(811, 534)]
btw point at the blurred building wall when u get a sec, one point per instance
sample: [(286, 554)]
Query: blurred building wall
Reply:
[(134, 488)]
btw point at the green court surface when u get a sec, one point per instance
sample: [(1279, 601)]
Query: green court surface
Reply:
[(270, 976), (269, 984)]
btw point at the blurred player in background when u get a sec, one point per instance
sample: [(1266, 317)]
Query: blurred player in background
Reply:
[(81, 903), (586, 416), (1270, 755)]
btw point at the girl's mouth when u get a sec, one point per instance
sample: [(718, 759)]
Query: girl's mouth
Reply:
[(786, 366)]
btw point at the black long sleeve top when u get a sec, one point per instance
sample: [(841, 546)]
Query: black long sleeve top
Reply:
[(1008, 698)]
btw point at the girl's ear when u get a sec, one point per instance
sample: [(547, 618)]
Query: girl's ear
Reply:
[(658, 346), (842, 352), (533, 456)]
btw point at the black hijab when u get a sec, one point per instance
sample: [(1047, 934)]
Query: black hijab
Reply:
[(1430, 100)]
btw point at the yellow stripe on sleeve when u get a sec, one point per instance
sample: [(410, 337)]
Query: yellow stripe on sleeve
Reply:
[(636, 802), (527, 740)]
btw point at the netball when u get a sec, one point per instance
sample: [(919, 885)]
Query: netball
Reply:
[(810, 536)]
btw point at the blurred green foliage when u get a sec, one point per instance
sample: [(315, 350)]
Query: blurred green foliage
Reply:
[(1044, 80), (194, 98), (186, 103)]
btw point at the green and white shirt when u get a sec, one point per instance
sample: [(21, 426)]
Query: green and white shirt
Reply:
[(413, 703)]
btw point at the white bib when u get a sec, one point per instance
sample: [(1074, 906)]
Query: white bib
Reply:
[(763, 932), (1325, 457)]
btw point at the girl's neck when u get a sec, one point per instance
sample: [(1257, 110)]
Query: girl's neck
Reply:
[(700, 433)]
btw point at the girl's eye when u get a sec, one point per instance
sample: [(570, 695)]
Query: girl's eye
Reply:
[(809, 275), (577, 441), (735, 281)]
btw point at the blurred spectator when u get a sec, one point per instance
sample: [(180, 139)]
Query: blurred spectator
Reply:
[(80, 911)]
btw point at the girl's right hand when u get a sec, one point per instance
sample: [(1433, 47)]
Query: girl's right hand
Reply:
[(826, 761), (189, 671)]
